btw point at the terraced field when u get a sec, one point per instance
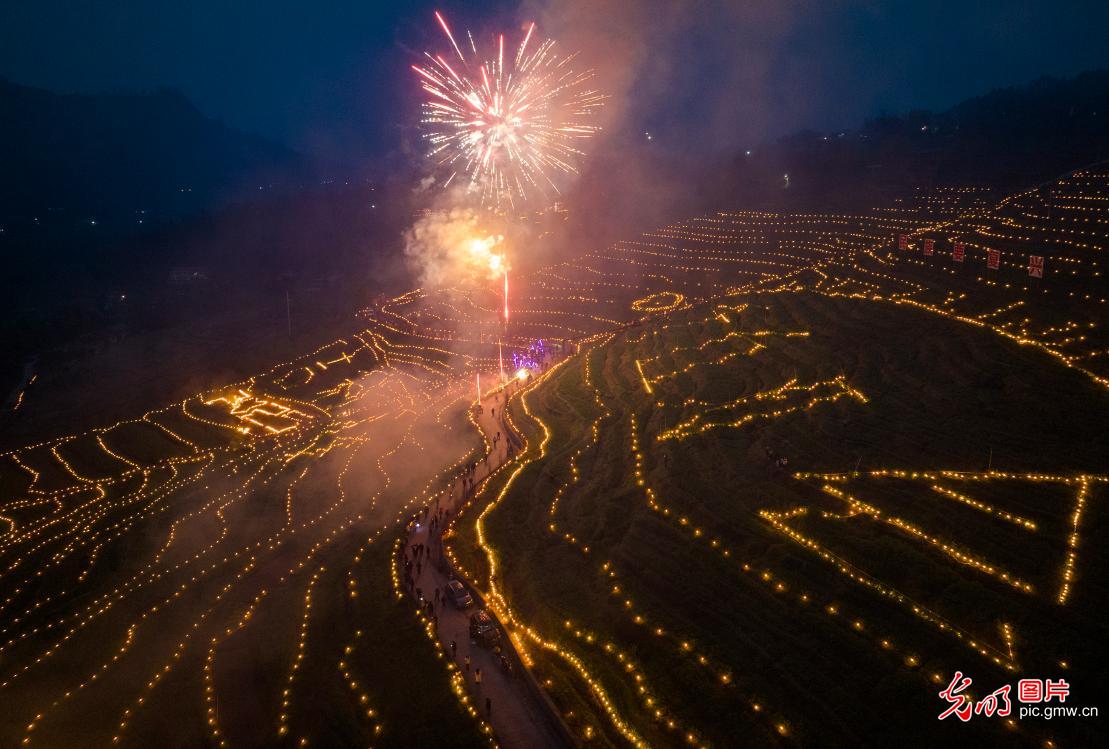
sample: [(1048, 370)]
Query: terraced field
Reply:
[(786, 517), (781, 480)]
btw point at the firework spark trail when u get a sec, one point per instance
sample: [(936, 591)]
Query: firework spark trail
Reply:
[(511, 129), (443, 23)]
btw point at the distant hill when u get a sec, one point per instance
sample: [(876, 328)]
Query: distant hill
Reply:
[(1008, 139), (110, 156)]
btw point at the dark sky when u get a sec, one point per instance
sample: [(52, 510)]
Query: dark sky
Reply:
[(333, 78)]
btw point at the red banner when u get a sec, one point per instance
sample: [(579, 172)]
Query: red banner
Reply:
[(993, 259), (929, 246), (1036, 266), (958, 252), (903, 241)]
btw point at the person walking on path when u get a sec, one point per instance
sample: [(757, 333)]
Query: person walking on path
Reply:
[(477, 678), (489, 707), (466, 660)]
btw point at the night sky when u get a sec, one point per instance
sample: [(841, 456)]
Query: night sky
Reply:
[(332, 78)]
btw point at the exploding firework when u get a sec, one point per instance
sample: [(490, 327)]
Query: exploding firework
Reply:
[(509, 124)]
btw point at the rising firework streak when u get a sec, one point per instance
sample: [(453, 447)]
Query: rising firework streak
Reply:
[(510, 126)]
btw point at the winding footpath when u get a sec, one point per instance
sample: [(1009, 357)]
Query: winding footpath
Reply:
[(511, 702)]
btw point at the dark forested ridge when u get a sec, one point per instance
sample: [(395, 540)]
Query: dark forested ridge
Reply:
[(115, 156), (1008, 139)]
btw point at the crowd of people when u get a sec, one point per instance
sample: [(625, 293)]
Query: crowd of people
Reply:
[(425, 563)]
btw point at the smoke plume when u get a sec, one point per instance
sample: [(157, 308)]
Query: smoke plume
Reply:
[(454, 242)]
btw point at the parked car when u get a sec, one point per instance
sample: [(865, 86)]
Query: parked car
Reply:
[(483, 629), (457, 594)]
